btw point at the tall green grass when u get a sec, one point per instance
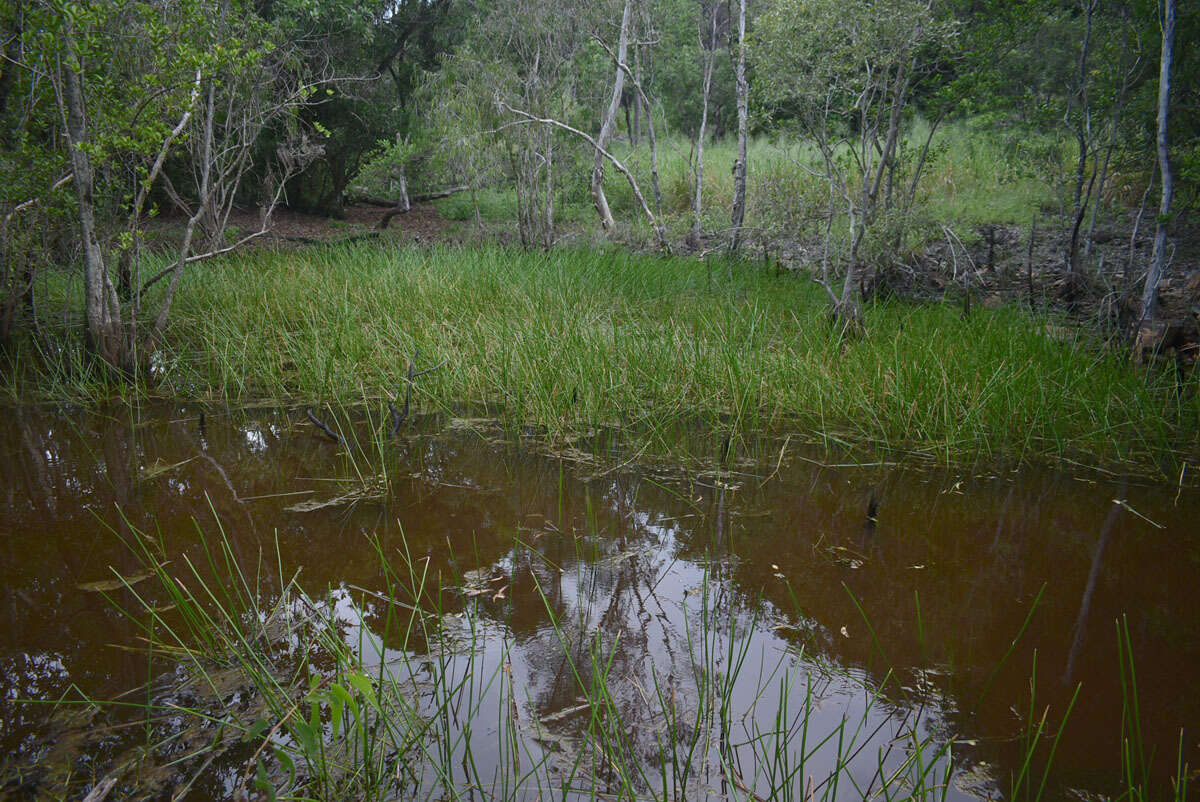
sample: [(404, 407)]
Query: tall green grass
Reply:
[(974, 175), (572, 339)]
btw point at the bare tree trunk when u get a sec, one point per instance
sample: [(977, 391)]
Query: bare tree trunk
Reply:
[(1112, 146), (655, 223), (920, 168), (626, 104), (100, 297), (655, 184), (203, 207), (1158, 255), (887, 155), (1083, 138), (743, 111), (608, 123), (847, 311), (635, 133), (548, 212), (644, 101), (1127, 270), (708, 45)]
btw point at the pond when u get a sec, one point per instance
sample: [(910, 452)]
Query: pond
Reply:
[(769, 623)]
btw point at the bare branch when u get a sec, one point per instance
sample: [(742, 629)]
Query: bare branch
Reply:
[(156, 168), (20, 207), (637, 192)]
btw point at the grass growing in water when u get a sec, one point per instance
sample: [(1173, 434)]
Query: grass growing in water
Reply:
[(410, 693), (571, 339)]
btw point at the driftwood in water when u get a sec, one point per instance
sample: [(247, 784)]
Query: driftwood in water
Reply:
[(325, 427)]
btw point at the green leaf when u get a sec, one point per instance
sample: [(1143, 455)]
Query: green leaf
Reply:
[(307, 736), (288, 764), (263, 782), (255, 730), (363, 684), (345, 697), (336, 709)]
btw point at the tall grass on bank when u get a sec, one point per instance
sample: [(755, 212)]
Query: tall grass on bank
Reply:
[(572, 339), (973, 176)]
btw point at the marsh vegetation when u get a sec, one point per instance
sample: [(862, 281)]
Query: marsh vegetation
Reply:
[(746, 400)]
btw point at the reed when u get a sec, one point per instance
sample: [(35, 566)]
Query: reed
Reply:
[(572, 339)]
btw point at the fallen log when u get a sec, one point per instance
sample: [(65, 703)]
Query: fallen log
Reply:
[(390, 203), (402, 205), (372, 200), (387, 217)]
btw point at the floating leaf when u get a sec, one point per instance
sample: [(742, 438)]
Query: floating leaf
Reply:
[(106, 585), (159, 468)]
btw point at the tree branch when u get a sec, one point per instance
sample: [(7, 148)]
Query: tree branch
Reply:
[(20, 207), (637, 192)]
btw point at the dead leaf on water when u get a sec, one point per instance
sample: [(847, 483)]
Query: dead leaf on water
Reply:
[(845, 632), (116, 583), (159, 467), (349, 498)]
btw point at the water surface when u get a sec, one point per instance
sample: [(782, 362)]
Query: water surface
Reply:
[(889, 596)]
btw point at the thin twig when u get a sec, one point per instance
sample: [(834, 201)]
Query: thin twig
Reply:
[(398, 418), (20, 207), (323, 426)]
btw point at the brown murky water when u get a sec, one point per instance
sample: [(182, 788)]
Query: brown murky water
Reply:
[(778, 546)]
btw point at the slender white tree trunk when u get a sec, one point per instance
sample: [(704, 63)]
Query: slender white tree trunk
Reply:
[(608, 123), (548, 212), (743, 112), (203, 207), (100, 296), (708, 47), (1081, 102), (1158, 255)]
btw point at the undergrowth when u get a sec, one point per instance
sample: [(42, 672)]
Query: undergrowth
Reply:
[(971, 177)]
